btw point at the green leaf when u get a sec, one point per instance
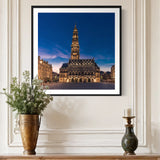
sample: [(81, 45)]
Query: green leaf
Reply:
[(25, 97)]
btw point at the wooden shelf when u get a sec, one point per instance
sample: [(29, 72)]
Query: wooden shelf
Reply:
[(79, 157)]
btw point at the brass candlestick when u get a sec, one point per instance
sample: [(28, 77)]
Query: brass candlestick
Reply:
[(129, 141)]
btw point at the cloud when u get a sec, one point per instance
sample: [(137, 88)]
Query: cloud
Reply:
[(56, 56), (62, 49), (53, 53), (83, 56), (107, 57), (100, 57), (56, 67), (47, 56), (44, 54), (106, 67), (59, 53)]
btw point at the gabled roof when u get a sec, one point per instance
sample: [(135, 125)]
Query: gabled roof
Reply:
[(65, 65), (81, 60)]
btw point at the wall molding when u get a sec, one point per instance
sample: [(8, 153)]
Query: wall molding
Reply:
[(111, 137)]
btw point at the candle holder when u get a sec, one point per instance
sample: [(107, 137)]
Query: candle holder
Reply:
[(129, 141)]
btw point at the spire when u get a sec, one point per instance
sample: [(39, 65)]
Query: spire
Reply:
[(75, 28), (75, 44)]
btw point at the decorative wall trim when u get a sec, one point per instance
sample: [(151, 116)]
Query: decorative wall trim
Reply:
[(18, 37), (74, 131), (9, 55), (142, 69), (134, 59), (143, 81), (110, 135)]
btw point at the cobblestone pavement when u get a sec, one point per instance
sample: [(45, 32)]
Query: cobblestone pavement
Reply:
[(80, 85)]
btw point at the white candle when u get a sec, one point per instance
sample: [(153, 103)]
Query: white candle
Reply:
[(128, 112)]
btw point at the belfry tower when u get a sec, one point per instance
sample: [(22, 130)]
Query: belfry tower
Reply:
[(75, 44)]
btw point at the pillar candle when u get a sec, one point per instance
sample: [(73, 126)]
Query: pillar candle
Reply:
[(128, 112)]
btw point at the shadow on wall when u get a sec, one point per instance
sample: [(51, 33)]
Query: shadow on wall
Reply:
[(60, 115), (155, 141)]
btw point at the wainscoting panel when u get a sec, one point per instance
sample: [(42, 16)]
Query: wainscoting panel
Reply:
[(84, 124)]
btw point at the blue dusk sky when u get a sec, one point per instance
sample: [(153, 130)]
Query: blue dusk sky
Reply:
[(96, 33)]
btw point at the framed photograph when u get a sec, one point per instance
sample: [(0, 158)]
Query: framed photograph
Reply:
[(76, 50)]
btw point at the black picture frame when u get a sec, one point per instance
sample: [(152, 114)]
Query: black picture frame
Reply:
[(119, 41)]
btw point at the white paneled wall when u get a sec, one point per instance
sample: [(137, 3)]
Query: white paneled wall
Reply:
[(87, 124), (155, 74)]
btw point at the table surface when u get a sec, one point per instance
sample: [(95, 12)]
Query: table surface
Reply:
[(79, 156)]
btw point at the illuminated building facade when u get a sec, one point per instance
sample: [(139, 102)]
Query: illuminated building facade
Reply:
[(44, 70), (113, 73), (79, 70)]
